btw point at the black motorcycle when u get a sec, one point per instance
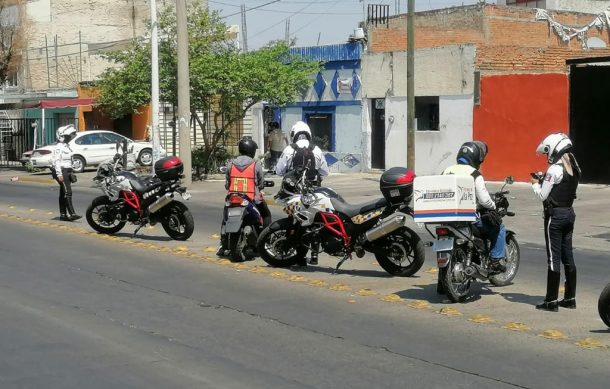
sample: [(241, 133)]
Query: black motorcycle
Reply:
[(242, 224), (463, 254)]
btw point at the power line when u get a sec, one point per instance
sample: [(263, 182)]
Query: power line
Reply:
[(250, 9), (283, 20)]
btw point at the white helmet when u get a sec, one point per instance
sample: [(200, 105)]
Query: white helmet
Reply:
[(553, 146), (300, 128), (64, 133)]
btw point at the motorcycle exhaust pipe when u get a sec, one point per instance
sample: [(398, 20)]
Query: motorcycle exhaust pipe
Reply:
[(388, 225), (160, 202)]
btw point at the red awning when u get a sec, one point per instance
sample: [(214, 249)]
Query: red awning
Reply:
[(66, 103)]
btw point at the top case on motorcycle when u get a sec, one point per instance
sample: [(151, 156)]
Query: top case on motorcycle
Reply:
[(351, 210)]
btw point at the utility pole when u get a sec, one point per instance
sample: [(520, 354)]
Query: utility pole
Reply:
[(244, 28), (287, 33), (184, 100), (154, 93), (411, 85)]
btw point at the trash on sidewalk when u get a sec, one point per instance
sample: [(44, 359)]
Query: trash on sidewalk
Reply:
[(14, 178)]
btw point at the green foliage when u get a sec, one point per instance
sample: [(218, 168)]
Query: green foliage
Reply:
[(206, 162), (31, 168), (223, 81)]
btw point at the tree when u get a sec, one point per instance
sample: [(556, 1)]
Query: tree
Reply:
[(9, 38), (224, 81)]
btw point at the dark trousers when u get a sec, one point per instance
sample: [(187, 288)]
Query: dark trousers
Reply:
[(265, 213), (65, 192), (558, 230)]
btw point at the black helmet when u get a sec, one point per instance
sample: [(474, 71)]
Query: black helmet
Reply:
[(472, 153), (247, 147)]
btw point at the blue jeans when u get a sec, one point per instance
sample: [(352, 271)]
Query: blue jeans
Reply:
[(497, 237)]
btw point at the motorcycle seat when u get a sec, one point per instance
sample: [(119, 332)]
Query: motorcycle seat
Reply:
[(352, 210), (139, 184)]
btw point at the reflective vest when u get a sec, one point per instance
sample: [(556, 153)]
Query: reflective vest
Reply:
[(243, 181)]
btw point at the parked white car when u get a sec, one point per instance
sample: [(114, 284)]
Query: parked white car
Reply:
[(91, 148)]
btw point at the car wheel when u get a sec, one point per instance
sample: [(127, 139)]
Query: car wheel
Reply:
[(145, 157), (78, 164)]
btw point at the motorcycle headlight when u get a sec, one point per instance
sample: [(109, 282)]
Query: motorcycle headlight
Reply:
[(308, 199)]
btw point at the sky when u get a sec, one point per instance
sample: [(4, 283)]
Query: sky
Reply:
[(311, 21)]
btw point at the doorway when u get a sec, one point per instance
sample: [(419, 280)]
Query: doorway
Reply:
[(321, 123), (378, 134), (589, 84)]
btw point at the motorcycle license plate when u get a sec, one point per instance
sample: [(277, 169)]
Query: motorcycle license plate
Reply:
[(443, 244), (235, 211), (186, 195)]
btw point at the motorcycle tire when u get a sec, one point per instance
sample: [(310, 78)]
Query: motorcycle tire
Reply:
[(102, 218), (274, 237), (235, 245), (513, 258), (456, 284), (177, 221), (603, 305), (406, 256)]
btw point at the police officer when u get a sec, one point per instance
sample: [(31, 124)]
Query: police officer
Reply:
[(245, 175), (557, 190), (62, 172), (300, 136), (469, 159)]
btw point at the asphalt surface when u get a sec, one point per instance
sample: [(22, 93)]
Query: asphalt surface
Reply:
[(361, 304), (90, 312)]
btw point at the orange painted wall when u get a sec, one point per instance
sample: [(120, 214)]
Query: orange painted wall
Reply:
[(517, 111), (139, 122)]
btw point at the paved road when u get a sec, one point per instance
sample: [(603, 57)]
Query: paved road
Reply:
[(83, 310)]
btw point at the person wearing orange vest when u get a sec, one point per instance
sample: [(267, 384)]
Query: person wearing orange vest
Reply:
[(245, 175)]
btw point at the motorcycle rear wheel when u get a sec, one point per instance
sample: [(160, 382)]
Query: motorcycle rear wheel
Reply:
[(103, 218), (456, 283), (513, 258), (236, 247), (406, 254), (275, 249), (178, 221), (603, 305)]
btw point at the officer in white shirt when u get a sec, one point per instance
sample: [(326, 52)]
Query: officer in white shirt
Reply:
[(62, 172)]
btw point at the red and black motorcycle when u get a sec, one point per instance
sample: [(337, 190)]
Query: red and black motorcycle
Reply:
[(141, 200)]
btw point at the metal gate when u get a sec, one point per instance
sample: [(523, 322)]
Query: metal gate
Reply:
[(19, 135)]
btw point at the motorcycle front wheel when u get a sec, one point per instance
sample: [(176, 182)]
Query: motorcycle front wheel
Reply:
[(177, 221), (456, 283), (603, 305), (402, 253), (103, 217), (276, 249)]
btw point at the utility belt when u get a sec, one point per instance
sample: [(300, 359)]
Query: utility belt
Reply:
[(549, 205)]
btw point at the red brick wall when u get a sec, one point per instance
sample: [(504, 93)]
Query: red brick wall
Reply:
[(507, 38)]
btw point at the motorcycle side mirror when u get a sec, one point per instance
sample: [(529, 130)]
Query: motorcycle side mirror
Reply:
[(269, 184), (223, 169), (509, 180)]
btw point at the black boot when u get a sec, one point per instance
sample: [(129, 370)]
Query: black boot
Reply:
[(72, 215), (569, 296), (314, 258), (552, 290), (64, 218)]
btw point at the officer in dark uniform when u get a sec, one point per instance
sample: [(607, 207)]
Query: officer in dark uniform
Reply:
[(557, 190)]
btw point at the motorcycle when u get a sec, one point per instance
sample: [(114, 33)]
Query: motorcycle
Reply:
[(242, 224), (320, 220), (141, 200), (603, 305), (463, 254)]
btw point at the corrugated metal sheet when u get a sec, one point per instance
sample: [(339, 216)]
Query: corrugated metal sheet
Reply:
[(327, 53)]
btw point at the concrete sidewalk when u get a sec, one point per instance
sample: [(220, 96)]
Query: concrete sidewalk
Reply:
[(592, 230)]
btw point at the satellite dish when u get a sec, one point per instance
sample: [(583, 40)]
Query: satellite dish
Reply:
[(596, 43)]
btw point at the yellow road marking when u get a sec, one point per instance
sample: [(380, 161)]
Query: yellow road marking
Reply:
[(589, 343), (552, 334), (449, 311), (391, 298), (481, 319), (516, 326)]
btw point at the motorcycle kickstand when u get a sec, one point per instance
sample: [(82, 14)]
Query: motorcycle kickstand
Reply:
[(137, 229), (345, 258)]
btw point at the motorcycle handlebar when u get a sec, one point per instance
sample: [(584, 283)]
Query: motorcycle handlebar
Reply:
[(508, 213)]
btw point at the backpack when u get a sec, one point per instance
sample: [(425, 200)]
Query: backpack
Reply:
[(304, 158)]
